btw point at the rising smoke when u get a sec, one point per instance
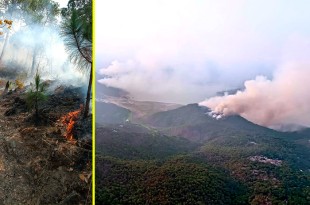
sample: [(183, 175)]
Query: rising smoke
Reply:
[(281, 102), (44, 44)]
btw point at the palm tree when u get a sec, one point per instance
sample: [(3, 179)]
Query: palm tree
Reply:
[(76, 30)]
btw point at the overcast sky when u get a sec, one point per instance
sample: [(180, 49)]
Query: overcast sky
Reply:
[(185, 51)]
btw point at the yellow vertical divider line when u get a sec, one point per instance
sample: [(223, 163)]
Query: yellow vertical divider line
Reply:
[(93, 101)]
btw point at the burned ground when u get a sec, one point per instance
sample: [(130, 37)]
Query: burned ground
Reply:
[(38, 165)]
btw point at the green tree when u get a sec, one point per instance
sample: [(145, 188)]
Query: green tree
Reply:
[(76, 30), (36, 95)]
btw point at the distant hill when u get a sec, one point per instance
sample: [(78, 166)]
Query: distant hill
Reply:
[(114, 105), (229, 92), (108, 113), (102, 91), (141, 109), (193, 122)]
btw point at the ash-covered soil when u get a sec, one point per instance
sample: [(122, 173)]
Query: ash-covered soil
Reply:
[(38, 165)]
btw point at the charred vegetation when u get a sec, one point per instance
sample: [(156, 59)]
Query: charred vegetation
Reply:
[(37, 149)]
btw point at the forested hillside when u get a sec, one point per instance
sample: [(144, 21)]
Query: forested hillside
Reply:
[(233, 161)]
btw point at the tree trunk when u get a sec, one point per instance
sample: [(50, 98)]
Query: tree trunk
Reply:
[(6, 88), (36, 109), (4, 46), (33, 64), (86, 109), (10, 13)]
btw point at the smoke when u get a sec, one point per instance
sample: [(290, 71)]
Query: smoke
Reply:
[(156, 82), (33, 47), (185, 51), (279, 103)]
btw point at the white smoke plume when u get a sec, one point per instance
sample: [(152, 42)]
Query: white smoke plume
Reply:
[(279, 103)]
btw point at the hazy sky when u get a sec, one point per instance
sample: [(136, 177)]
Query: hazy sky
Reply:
[(184, 51)]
